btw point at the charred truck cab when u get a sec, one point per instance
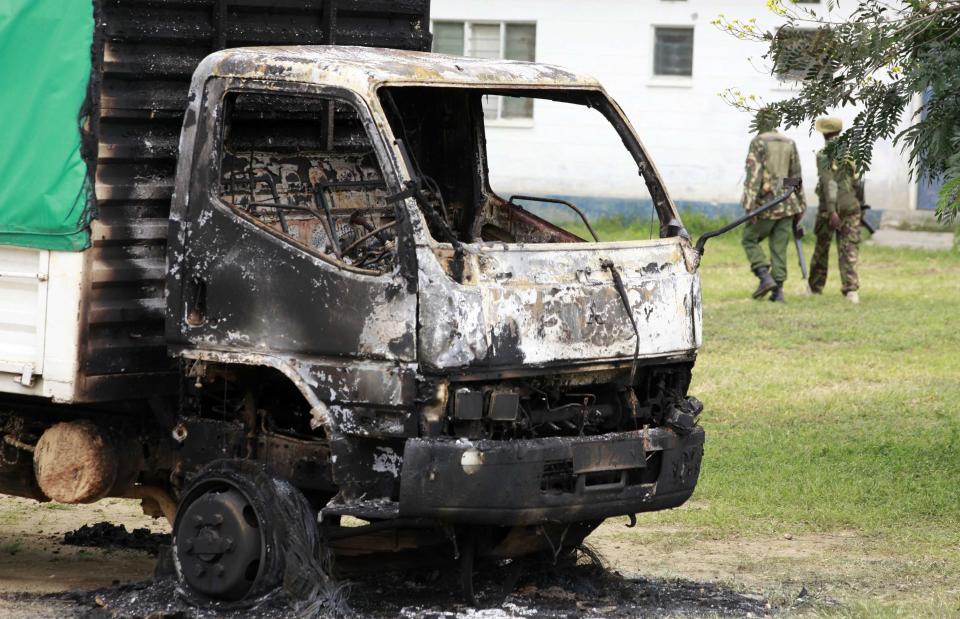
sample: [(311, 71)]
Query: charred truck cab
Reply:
[(359, 343), (356, 308)]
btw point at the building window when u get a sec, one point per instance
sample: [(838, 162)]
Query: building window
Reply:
[(673, 51), (496, 40)]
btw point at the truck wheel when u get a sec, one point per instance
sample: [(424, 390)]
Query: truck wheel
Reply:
[(241, 533)]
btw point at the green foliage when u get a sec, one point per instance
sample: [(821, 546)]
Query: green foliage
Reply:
[(634, 228), (824, 416), (949, 195), (877, 60)]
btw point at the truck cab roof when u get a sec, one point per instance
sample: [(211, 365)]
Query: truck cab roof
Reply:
[(366, 68)]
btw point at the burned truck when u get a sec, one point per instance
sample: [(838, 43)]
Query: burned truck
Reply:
[(358, 310), (366, 348)]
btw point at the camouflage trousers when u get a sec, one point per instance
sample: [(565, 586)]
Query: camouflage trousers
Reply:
[(848, 247), (779, 232)]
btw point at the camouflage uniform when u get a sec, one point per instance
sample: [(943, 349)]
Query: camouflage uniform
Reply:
[(771, 158), (837, 190)]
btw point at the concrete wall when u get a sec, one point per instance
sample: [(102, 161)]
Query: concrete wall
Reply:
[(697, 141)]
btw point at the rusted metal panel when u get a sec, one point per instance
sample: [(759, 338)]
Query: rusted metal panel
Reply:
[(363, 70), (555, 304)]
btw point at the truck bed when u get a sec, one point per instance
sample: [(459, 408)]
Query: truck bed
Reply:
[(144, 54)]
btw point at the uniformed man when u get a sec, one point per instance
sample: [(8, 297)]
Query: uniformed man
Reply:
[(838, 215), (771, 158)]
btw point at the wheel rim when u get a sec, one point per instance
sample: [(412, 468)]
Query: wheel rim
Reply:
[(218, 541)]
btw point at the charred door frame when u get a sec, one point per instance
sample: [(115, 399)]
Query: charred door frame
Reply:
[(210, 133), (599, 100), (334, 381), (667, 211), (447, 305)]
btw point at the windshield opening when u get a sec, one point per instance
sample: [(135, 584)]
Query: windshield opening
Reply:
[(548, 177)]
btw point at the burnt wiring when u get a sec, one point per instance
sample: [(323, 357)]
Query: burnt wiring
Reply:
[(356, 241), (557, 548), (268, 179), (368, 235), (622, 291), (319, 194), (434, 189)]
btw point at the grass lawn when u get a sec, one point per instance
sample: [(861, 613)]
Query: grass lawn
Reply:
[(831, 424)]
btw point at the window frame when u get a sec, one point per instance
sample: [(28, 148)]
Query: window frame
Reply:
[(468, 24), (663, 203), (667, 79), (391, 175)]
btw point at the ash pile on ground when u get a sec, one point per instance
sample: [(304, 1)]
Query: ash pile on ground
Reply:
[(585, 589), (108, 535), (576, 589)]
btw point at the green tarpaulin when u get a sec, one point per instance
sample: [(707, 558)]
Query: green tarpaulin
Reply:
[(44, 71)]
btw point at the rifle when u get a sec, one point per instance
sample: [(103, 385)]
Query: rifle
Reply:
[(861, 189), (798, 242), (863, 219)]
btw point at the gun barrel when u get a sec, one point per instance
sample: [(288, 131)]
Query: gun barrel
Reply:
[(798, 242)]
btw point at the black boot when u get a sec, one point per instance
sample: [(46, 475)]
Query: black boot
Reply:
[(766, 282), (777, 295)]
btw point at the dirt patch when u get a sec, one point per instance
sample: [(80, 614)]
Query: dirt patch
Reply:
[(818, 570), (34, 559), (666, 551)]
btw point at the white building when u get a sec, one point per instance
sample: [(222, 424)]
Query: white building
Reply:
[(666, 64)]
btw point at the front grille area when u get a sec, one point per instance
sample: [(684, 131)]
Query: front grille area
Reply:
[(558, 477)]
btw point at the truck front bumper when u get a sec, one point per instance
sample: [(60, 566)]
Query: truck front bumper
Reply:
[(557, 479)]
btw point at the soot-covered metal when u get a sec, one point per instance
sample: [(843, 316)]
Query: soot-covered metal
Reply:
[(342, 273), (347, 304)]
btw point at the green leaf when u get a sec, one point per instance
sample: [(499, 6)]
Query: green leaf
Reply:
[(948, 202)]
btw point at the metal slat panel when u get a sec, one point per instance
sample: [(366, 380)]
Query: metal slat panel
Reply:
[(128, 270), (299, 6), (140, 230), (127, 311), (104, 387), (256, 28), (112, 4), (134, 181), (140, 60), (141, 94), (157, 24), (132, 356), (125, 212)]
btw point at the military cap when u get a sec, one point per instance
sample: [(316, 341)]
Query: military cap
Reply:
[(829, 124)]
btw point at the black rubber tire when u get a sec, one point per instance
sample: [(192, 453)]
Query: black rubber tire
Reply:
[(290, 555)]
